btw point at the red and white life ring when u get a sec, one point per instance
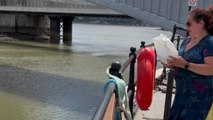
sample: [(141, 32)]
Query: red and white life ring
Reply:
[(145, 77)]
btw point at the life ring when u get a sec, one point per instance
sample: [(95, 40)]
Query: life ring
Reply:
[(145, 77)]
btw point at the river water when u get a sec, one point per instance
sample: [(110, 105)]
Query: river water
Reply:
[(42, 81)]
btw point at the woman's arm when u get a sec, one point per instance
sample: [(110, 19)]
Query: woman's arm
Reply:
[(203, 69)]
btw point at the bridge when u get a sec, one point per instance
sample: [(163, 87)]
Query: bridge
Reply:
[(38, 17), (68, 7), (41, 14), (163, 13)]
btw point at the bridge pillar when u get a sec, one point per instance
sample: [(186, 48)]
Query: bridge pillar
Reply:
[(54, 29), (7, 23), (67, 28), (24, 24), (36, 25)]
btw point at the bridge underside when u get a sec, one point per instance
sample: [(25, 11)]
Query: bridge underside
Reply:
[(68, 7), (44, 17), (37, 26)]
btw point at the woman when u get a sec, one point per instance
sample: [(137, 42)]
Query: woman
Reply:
[(194, 69)]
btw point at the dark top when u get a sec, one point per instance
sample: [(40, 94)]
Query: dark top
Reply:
[(194, 92)]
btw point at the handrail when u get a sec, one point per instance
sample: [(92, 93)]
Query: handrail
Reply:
[(110, 110), (104, 103), (131, 57), (126, 64), (131, 85), (100, 113)]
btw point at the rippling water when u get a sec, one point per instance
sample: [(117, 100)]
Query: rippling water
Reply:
[(40, 81)]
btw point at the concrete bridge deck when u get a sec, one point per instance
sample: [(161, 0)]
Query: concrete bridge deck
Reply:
[(55, 7)]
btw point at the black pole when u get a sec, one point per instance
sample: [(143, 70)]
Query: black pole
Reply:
[(131, 85), (142, 44), (190, 7), (168, 99), (173, 33), (169, 86), (178, 42)]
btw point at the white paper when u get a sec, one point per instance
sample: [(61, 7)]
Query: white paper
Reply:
[(164, 48)]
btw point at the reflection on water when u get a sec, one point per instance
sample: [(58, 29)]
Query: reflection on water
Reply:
[(41, 81)]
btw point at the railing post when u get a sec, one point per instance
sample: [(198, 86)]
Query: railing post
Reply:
[(168, 99), (142, 44), (169, 86), (109, 99), (173, 33), (131, 85), (103, 105), (178, 42), (115, 70)]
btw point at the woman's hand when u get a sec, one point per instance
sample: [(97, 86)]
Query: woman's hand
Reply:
[(176, 61), (167, 66)]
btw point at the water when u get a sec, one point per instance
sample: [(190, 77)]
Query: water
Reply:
[(109, 39), (40, 81)]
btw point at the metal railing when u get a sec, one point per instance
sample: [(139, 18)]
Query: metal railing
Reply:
[(76, 7), (50, 3), (103, 105), (102, 108)]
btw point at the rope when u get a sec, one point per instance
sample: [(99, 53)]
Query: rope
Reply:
[(121, 94)]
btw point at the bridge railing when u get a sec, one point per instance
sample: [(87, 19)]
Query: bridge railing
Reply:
[(50, 3)]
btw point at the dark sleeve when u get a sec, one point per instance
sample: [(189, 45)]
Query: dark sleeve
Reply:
[(208, 48)]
